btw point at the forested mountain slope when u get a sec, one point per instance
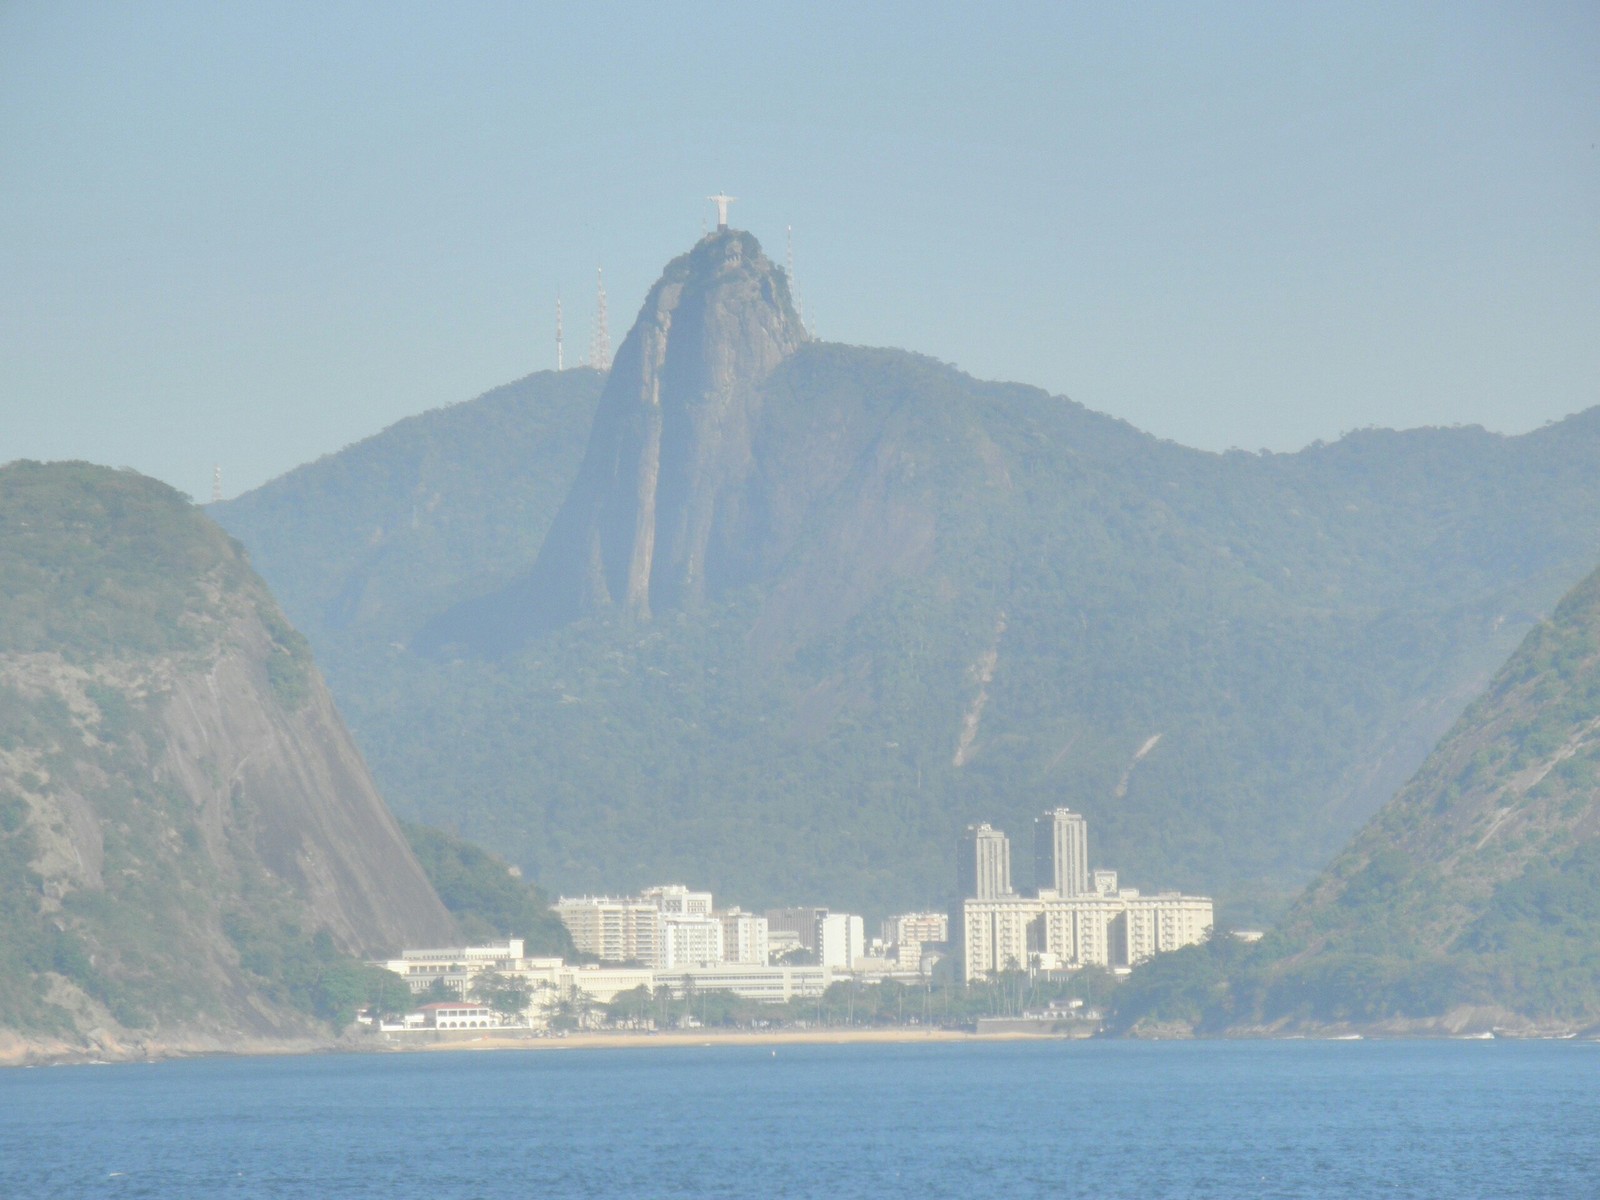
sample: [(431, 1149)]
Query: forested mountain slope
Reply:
[(191, 849), (1471, 901), (1482, 876), (938, 600)]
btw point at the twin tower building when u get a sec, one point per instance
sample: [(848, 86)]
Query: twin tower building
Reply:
[(1073, 917)]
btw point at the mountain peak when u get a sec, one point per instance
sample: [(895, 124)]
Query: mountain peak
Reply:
[(656, 515)]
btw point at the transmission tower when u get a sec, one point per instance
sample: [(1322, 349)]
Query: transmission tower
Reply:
[(216, 483), (560, 366), (600, 348)]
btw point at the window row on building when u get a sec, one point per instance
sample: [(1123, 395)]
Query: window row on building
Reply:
[(1119, 929), (1073, 917)]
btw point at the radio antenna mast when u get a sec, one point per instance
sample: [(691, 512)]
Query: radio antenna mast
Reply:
[(216, 483), (560, 366)]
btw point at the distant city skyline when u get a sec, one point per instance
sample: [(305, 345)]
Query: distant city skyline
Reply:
[(252, 234)]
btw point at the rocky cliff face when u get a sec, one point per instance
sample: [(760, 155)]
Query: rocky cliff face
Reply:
[(179, 800), (286, 785), (661, 509)]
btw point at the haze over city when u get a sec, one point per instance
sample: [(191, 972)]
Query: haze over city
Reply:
[(1041, 633), (252, 234)]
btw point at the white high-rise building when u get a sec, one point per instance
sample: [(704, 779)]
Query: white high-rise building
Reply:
[(1078, 918), (689, 941), (1061, 853), (678, 900), (744, 938), (841, 940), (613, 930), (983, 863)]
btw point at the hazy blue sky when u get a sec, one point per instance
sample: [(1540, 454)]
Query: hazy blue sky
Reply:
[(254, 233)]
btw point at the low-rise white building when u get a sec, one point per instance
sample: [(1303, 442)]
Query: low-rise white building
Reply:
[(455, 966), (1152, 925), (456, 1014), (1119, 929), (750, 982)]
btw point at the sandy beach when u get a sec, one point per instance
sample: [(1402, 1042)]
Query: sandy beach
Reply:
[(502, 1040)]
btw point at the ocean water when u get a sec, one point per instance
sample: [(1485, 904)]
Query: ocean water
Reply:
[(1100, 1120)]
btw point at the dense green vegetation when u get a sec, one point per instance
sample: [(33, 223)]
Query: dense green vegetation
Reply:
[(309, 973), (1298, 629), (1539, 938), (138, 940), (1478, 885), (441, 507), (116, 890), (939, 1001), (486, 899), (29, 944), (99, 562)]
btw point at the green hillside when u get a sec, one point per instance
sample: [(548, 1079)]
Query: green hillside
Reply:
[(488, 901), (1471, 900), (374, 540), (1298, 628), (191, 853)]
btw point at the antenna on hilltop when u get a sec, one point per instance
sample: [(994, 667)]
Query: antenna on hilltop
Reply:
[(600, 348), (560, 366), (216, 483)]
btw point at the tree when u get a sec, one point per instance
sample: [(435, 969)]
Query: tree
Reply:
[(631, 1006), (438, 991), (505, 994), (344, 988)]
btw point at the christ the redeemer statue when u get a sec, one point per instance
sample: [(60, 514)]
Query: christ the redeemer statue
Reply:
[(722, 203)]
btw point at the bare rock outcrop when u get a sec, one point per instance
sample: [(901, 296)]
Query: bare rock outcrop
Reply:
[(661, 497), (188, 834)]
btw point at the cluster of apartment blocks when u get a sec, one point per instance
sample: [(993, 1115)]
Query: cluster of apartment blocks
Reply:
[(551, 981), (671, 937), (671, 928), (1072, 918)]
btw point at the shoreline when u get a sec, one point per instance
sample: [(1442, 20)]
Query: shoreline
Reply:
[(20, 1055), (700, 1038), (15, 1056)]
